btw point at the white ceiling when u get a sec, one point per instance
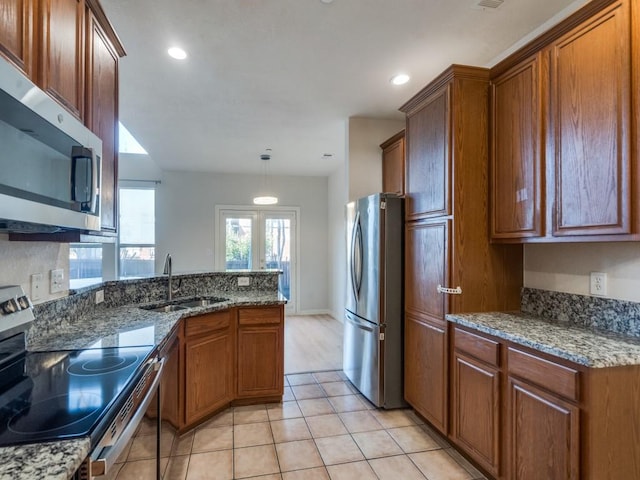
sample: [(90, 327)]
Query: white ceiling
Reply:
[(287, 74)]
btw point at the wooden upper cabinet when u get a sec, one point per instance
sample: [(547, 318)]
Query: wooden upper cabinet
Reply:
[(517, 143), (393, 164), (101, 114), (562, 132), (591, 124), (61, 60), (16, 33), (427, 157)]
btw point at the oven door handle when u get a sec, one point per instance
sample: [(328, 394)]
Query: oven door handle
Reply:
[(110, 454)]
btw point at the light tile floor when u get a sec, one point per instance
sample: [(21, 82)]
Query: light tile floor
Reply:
[(324, 429)]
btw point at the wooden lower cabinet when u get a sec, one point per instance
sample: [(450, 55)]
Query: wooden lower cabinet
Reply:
[(426, 369), (209, 363), (520, 414), (260, 352), (234, 356), (475, 411), (544, 434)]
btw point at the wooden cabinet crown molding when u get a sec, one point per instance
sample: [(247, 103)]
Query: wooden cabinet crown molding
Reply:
[(538, 43), (457, 72), (98, 12), (390, 141)]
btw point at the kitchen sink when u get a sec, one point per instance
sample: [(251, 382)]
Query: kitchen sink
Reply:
[(165, 308), (185, 304), (201, 302)]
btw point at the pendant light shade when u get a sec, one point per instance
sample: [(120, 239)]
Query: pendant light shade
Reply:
[(265, 197)]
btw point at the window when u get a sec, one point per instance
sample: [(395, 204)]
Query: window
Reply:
[(137, 232)]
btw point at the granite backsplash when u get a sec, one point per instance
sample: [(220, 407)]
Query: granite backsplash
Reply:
[(67, 311), (618, 316)]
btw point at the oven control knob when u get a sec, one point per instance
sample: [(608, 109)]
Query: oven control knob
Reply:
[(9, 307)]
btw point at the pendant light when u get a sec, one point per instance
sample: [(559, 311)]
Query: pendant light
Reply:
[(265, 198)]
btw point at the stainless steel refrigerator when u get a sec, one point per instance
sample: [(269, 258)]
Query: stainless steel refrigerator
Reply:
[(373, 323)]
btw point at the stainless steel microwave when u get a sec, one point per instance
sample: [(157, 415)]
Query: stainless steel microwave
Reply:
[(49, 162)]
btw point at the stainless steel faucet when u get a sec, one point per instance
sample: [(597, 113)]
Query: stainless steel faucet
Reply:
[(168, 270)]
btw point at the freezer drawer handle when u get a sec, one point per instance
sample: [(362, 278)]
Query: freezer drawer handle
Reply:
[(450, 291)]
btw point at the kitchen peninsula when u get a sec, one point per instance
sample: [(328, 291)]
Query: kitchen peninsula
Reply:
[(237, 329)]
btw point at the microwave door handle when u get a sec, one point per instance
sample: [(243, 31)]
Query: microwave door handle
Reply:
[(95, 188)]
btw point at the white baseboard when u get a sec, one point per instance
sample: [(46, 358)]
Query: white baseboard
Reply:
[(314, 312)]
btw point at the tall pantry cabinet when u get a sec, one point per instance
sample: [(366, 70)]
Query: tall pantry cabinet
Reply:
[(450, 266)]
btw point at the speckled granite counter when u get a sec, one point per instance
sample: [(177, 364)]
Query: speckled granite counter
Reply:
[(76, 323), (50, 461), (148, 327), (581, 345)]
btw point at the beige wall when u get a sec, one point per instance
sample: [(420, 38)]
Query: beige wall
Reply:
[(567, 267), (18, 260), (365, 157)]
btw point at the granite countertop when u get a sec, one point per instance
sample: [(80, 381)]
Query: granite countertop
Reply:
[(584, 346), (142, 326), (60, 460)]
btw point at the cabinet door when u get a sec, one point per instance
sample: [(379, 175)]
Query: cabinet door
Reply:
[(62, 52), (393, 166), (475, 411), (208, 373), (516, 193), (102, 116), (591, 125), (260, 352), (428, 158), (425, 369), (544, 435), (426, 267), (16, 33)]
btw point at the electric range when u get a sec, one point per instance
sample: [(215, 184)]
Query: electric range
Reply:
[(100, 393), (65, 394)]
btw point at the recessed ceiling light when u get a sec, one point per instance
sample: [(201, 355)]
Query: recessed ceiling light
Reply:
[(177, 53), (400, 79), (326, 1)]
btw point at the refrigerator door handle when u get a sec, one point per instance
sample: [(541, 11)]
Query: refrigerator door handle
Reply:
[(369, 327), (356, 257)]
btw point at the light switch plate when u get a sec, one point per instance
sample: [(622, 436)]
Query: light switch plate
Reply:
[(99, 296), (243, 281), (57, 280)]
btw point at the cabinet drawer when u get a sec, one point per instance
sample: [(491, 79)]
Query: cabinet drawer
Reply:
[(552, 376), (480, 347), (207, 323), (259, 316)]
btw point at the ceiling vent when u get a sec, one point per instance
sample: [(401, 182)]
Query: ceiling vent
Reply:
[(490, 3)]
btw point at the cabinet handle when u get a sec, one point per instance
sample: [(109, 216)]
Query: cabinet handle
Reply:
[(450, 291)]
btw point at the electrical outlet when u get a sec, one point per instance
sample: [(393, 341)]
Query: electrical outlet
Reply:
[(57, 280), (37, 286), (244, 281), (99, 296), (598, 284)]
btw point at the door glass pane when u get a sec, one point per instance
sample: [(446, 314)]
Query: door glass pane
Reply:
[(278, 250), (238, 244)]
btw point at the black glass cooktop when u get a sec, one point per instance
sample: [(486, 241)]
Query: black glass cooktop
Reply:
[(56, 395)]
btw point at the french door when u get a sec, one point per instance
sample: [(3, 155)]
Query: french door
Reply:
[(259, 239)]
